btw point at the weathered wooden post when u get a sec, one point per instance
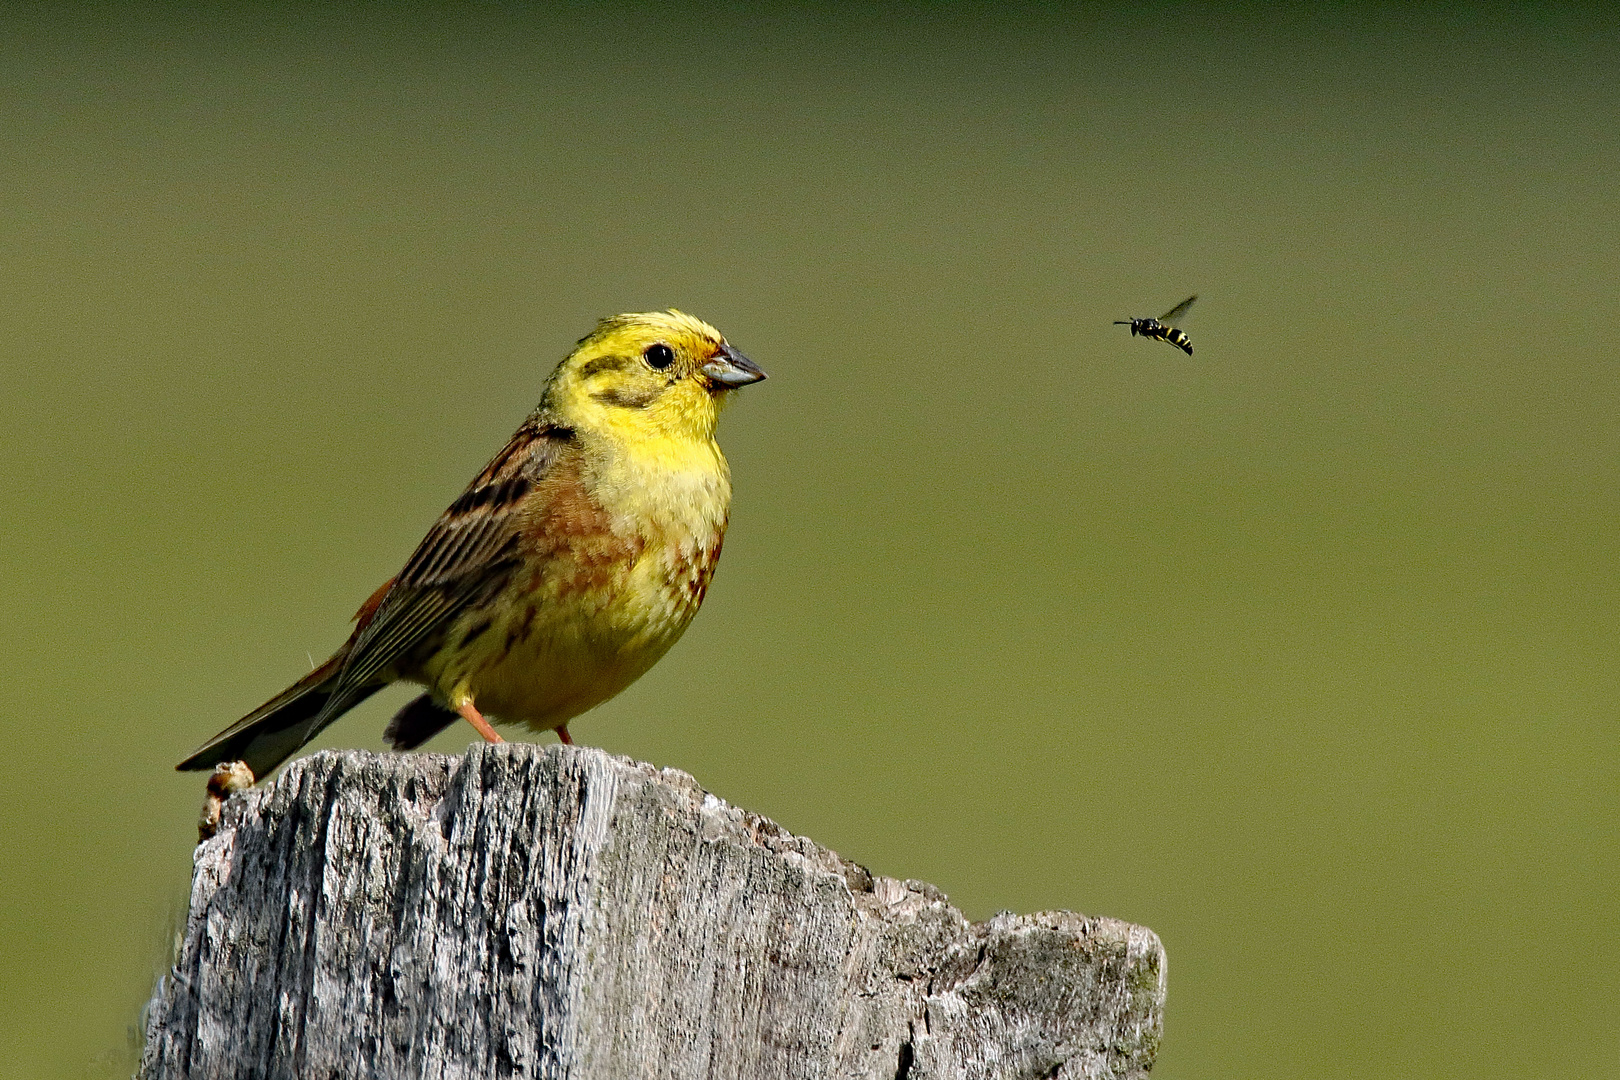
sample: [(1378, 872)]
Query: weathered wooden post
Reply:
[(555, 911)]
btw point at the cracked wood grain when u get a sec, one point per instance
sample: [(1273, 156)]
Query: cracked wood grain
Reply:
[(555, 911)]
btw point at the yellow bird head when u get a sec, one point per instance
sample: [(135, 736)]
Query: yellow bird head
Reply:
[(657, 371)]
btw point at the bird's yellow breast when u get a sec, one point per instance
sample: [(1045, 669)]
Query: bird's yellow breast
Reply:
[(620, 550)]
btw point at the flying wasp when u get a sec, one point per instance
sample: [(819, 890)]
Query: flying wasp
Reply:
[(1160, 329)]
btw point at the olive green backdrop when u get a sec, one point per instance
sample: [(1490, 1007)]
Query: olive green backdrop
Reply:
[(1300, 651)]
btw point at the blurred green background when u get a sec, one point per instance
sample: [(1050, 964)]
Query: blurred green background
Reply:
[(1300, 651)]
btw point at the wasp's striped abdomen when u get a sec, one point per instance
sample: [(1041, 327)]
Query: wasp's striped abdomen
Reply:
[(1173, 336)]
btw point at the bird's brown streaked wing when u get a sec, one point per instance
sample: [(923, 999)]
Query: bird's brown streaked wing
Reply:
[(466, 553), (1169, 318)]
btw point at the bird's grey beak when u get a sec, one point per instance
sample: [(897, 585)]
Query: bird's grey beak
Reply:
[(730, 369)]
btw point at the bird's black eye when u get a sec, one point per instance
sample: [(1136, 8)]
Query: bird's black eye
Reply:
[(659, 356)]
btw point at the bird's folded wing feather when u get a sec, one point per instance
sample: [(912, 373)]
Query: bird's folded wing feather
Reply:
[(466, 554)]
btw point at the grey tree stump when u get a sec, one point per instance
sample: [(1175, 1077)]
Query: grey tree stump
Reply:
[(560, 912)]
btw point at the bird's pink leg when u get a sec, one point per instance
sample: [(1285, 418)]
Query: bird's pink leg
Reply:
[(469, 712), (562, 733)]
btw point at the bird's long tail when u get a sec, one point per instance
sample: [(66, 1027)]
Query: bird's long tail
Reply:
[(275, 731)]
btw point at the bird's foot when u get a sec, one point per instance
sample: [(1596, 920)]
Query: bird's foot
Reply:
[(469, 712)]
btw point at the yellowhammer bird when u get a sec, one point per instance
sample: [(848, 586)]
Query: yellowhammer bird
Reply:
[(563, 572)]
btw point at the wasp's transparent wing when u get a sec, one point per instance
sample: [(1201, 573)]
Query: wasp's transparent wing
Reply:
[(1169, 318)]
